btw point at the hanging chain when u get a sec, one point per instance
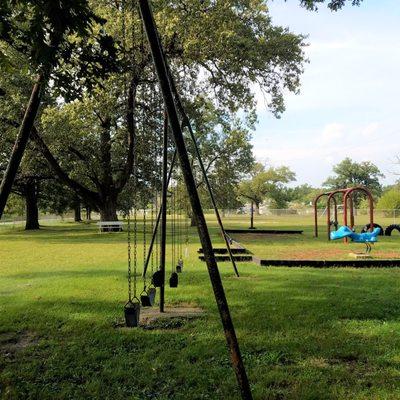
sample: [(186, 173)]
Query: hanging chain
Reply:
[(144, 243), (180, 224), (135, 239), (129, 259), (173, 228), (187, 232), (152, 230)]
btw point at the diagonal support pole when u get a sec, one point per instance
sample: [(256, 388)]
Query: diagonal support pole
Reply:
[(213, 271), (186, 123)]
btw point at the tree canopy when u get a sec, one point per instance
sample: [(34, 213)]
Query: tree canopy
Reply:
[(351, 173), (267, 183)]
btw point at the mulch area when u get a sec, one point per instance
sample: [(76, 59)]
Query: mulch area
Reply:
[(330, 254)]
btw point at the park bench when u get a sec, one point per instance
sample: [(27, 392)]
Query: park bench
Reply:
[(110, 226)]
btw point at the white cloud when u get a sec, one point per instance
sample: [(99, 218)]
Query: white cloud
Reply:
[(348, 105), (332, 133), (312, 155)]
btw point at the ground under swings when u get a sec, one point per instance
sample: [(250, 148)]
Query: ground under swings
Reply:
[(171, 318)]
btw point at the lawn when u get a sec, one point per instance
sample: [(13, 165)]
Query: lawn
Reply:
[(304, 333)]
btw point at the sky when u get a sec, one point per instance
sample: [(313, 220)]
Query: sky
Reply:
[(349, 102)]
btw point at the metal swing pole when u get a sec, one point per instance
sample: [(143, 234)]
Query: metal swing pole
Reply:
[(212, 266), (186, 123), (165, 181), (155, 229)]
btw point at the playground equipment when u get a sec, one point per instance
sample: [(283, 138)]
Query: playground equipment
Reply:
[(348, 208), (367, 238), (391, 228)]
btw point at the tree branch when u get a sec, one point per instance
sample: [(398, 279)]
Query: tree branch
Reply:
[(82, 191), (131, 125)]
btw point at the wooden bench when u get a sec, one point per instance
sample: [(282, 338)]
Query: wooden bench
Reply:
[(110, 226)]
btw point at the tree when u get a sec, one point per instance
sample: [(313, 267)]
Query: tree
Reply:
[(267, 183), (303, 194), (350, 173), (390, 200), (39, 31), (334, 5), (106, 118)]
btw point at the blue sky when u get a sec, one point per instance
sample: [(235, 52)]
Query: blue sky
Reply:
[(349, 104)]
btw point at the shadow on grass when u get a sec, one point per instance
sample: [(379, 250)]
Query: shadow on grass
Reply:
[(302, 337)]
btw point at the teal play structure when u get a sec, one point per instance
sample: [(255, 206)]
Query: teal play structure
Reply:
[(347, 196), (367, 238)]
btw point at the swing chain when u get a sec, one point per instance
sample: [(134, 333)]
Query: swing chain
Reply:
[(134, 248), (129, 259), (144, 244)]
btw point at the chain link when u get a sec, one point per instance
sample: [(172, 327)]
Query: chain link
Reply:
[(135, 243), (144, 244), (129, 259)]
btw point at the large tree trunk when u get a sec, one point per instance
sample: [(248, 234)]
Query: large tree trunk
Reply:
[(88, 213), (21, 141), (32, 211), (108, 209), (257, 207), (77, 212), (252, 215)]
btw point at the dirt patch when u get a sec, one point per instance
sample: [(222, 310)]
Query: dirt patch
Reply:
[(329, 254), (149, 316), (11, 342), (172, 318), (258, 236)]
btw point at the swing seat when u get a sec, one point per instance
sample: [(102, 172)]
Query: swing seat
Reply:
[(173, 280), (157, 279), (179, 266), (145, 299), (152, 295), (132, 314)]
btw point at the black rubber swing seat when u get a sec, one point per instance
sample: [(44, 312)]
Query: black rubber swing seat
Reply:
[(132, 314), (157, 279), (147, 297), (179, 266), (173, 280)]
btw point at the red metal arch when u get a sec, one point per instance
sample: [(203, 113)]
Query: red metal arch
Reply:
[(315, 203), (348, 206), (348, 195)]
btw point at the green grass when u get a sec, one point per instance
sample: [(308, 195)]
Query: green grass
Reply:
[(304, 333)]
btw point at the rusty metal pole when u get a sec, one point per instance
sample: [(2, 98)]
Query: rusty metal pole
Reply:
[(252, 215), (186, 123), (351, 205), (328, 216), (155, 230), (213, 271), (316, 200), (315, 219), (165, 182), (336, 213), (371, 210), (345, 220)]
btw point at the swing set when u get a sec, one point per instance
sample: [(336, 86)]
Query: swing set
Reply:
[(175, 122), (348, 208)]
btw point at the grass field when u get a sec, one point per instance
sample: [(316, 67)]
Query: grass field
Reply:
[(304, 333)]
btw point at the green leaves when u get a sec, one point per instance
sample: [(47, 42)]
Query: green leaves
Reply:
[(268, 183), (334, 5), (351, 173)]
